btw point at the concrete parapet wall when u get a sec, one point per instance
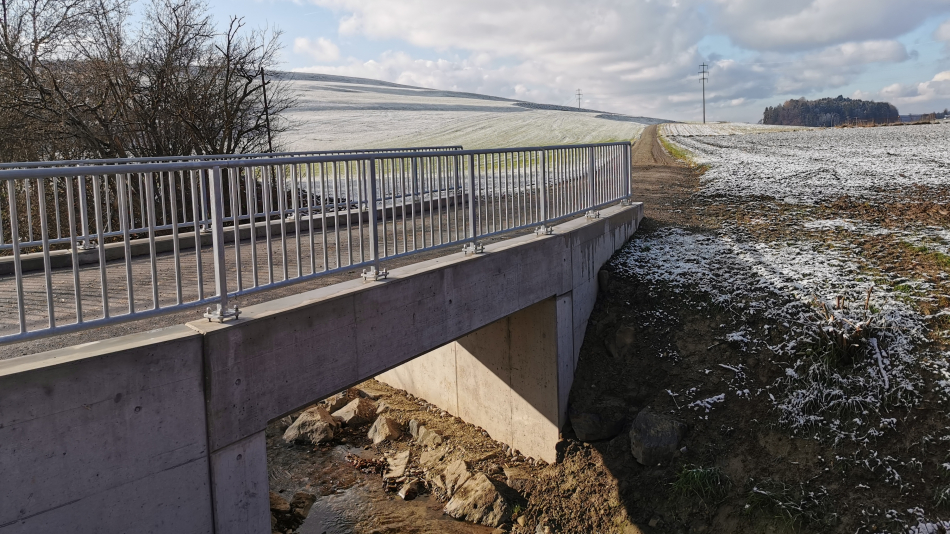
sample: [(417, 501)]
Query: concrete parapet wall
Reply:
[(107, 437)]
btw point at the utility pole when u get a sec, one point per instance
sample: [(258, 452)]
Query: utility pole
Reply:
[(270, 143), (579, 99), (703, 78)]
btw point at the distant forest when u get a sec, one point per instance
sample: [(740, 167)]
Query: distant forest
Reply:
[(829, 112)]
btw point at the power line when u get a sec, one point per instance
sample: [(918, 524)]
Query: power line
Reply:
[(703, 78), (579, 95)]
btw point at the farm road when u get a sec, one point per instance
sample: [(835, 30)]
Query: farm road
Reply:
[(663, 184)]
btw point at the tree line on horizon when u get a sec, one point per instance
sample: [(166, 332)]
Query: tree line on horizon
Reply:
[(83, 79), (829, 112)]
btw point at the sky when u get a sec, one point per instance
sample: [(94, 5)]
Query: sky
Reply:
[(638, 57)]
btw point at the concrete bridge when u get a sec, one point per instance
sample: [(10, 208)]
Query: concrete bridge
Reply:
[(164, 431)]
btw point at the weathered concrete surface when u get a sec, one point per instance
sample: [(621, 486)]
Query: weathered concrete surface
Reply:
[(109, 437), (513, 376)]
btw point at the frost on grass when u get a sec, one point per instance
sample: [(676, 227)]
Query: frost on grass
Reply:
[(689, 129), (815, 165), (817, 294)]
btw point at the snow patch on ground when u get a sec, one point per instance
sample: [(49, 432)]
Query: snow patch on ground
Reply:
[(690, 129), (794, 284), (804, 167)]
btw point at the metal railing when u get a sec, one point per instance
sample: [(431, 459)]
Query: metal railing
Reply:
[(215, 230), (140, 225), (215, 157)]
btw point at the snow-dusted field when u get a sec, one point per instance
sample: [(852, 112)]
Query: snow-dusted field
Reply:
[(689, 129), (815, 165), (348, 113), (790, 257)]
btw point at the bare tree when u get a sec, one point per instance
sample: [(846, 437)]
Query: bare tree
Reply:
[(78, 82)]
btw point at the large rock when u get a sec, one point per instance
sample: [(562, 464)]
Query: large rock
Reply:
[(397, 464), (314, 425), (358, 412), (301, 504), (655, 437), (424, 436), (278, 504), (384, 428), (456, 474), (589, 426), (337, 401), (480, 501)]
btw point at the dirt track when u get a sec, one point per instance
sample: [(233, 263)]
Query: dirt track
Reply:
[(662, 183)]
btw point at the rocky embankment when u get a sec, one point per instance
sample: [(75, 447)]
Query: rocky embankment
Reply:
[(415, 449)]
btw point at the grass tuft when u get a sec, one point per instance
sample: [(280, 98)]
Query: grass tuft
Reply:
[(709, 484), (683, 155), (792, 503)]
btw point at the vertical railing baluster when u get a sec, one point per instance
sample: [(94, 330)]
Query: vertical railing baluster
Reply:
[(44, 236), (15, 241), (124, 215), (73, 247), (101, 246)]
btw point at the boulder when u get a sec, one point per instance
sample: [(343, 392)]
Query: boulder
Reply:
[(431, 458), (337, 401), (301, 504), (397, 464), (410, 490), (480, 501), (455, 475), (314, 425), (424, 436), (655, 437), (368, 392), (589, 426), (278, 504), (357, 412), (384, 428)]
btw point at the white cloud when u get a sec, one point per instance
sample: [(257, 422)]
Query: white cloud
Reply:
[(636, 56), (923, 97), (797, 25), (943, 32), (320, 50)]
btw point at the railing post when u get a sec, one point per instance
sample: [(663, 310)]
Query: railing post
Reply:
[(472, 247), (84, 215), (591, 213), (627, 174), (216, 191), (544, 229), (374, 273)]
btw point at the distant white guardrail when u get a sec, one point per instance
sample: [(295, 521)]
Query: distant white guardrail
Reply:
[(214, 229)]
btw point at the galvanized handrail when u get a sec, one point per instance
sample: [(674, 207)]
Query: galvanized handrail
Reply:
[(209, 231), (214, 157)]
